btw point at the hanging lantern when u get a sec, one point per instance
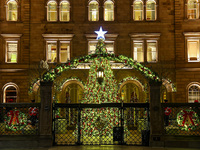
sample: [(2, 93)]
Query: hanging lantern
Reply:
[(100, 74)]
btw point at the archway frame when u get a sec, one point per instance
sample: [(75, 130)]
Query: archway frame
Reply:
[(53, 73)]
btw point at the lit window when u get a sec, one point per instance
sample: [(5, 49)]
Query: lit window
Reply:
[(109, 47), (52, 51), (64, 11), (93, 11), (145, 46), (11, 10), (138, 54), (194, 93), (64, 51), (138, 10), (52, 11), (109, 11), (150, 10), (151, 51), (10, 93), (192, 9), (193, 50), (11, 51), (58, 47)]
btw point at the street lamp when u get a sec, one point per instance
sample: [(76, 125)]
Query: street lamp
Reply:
[(100, 74)]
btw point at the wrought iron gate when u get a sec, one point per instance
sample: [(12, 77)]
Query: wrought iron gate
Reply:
[(101, 124)]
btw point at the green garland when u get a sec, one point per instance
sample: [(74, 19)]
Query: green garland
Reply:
[(30, 91), (53, 73), (15, 120), (187, 120)]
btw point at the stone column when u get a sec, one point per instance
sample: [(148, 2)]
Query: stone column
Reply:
[(156, 116), (45, 129)]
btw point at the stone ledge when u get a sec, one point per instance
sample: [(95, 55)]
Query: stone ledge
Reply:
[(25, 141)]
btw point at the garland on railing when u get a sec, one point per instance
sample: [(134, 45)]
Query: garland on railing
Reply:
[(51, 75)]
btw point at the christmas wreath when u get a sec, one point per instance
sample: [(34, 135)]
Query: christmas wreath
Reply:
[(15, 120), (187, 120)]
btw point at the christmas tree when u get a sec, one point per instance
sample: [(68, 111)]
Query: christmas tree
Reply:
[(100, 121)]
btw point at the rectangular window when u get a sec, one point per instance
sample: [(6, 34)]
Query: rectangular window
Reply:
[(109, 46), (91, 47), (11, 51), (52, 51), (193, 50), (151, 51), (64, 51), (138, 54)]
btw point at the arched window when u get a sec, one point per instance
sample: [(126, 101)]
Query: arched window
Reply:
[(150, 10), (193, 93), (64, 11), (192, 9), (93, 11), (138, 10), (10, 93), (52, 11), (132, 91), (109, 11), (11, 10)]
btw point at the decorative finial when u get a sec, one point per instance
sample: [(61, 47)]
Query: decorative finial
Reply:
[(100, 33)]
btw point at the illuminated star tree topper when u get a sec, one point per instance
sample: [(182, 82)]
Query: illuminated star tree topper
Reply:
[(100, 34)]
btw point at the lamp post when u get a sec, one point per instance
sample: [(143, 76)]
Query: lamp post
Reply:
[(100, 74)]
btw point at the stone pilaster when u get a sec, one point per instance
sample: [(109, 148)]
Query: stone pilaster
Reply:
[(46, 114), (156, 116)]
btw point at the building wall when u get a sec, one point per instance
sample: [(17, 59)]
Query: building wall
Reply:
[(32, 24)]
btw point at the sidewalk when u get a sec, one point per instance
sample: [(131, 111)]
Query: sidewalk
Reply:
[(112, 147)]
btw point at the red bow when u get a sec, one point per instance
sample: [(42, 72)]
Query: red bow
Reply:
[(12, 114), (187, 114)]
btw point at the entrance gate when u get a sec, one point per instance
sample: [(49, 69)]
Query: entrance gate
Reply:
[(101, 124)]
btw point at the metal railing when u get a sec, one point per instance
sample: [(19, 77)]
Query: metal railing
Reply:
[(101, 124), (19, 118), (181, 119)]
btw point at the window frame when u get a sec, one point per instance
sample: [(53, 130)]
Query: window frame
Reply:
[(197, 9), (146, 37), (7, 11), (60, 11), (142, 10), (152, 41), (155, 10), (89, 10), (10, 38), (143, 49), (6, 57), (191, 36), (108, 38), (58, 38), (188, 88), (68, 51), (52, 1), (105, 11), (9, 85), (106, 42)]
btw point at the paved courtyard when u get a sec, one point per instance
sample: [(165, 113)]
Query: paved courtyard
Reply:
[(116, 147)]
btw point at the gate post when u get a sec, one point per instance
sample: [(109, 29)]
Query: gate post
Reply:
[(45, 129), (156, 116)]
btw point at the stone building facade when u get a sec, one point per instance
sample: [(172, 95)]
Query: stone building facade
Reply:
[(158, 33)]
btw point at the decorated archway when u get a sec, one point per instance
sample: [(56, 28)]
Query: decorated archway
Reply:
[(53, 73), (101, 88)]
